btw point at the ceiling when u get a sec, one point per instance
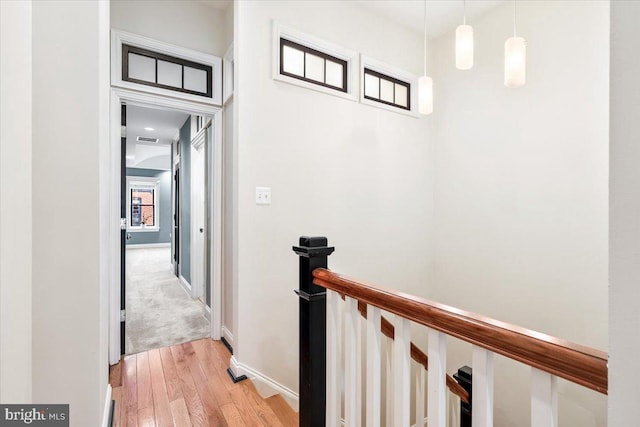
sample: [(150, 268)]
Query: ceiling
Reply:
[(166, 125), (442, 15)]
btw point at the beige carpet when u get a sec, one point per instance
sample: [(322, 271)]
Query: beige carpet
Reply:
[(159, 311)]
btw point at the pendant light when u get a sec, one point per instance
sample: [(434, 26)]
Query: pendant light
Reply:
[(464, 43), (425, 83), (515, 57)]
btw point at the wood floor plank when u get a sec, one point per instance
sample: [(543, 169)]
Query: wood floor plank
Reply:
[(247, 413), (231, 415), (161, 406), (145, 397), (115, 375), (214, 380), (221, 357), (180, 413), (130, 409), (116, 396), (191, 397), (211, 406), (187, 385), (283, 411), (146, 417), (170, 374), (261, 408)]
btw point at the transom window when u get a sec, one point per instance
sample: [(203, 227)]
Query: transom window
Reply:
[(151, 68), (313, 66), (387, 90)]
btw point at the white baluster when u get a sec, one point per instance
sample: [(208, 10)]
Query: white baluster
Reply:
[(421, 383), (389, 379), (352, 390), (359, 367), (544, 399), (482, 415), (437, 392), (401, 372), (333, 364), (374, 339)]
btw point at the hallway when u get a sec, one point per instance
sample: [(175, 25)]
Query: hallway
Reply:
[(187, 385), (159, 311)]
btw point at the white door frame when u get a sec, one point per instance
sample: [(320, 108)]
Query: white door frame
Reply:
[(131, 97)]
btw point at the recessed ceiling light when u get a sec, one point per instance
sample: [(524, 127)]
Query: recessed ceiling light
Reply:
[(130, 157), (149, 129)]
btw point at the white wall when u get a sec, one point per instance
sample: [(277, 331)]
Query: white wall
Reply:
[(230, 204), (521, 189), (190, 24), (70, 121), (15, 203), (357, 174), (624, 292), (229, 244)]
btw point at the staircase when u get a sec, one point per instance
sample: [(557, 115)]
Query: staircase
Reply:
[(187, 385), (334, 390)]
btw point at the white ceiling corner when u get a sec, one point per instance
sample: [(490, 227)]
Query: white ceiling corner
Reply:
[(217, 4), (442, 15)]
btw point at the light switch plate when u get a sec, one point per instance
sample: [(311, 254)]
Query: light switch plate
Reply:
[(263, 195)]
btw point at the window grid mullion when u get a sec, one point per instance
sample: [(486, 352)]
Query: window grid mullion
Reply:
[(393, 81), (324, 56)]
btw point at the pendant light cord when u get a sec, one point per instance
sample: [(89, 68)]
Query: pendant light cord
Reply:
[(514, 18), (425, 37), (464, 5)]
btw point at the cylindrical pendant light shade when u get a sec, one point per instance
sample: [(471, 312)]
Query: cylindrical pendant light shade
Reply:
[(515, 62), (425, 95), (464, 47)]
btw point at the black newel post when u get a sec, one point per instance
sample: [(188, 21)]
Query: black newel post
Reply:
[(464, 377), (313, 253)]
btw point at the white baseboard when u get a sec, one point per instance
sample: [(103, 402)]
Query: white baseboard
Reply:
[(149, 245), (227, 335), (107, 408), (206, 311), (265, 385), (185, 285), (235, 366)]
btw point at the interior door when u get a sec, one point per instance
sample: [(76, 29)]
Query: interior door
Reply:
[(123, 222), (208, 237), (176, 221), (198, 188)]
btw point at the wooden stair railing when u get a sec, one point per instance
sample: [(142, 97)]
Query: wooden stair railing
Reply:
[(416, 354), (321, 332), (576, 363)]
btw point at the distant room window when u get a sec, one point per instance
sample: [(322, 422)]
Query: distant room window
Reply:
[(155, 69), (387, 90), (312, 66), (143, 205)]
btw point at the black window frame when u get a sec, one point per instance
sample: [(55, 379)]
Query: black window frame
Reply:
[(141, 205), (382, 76), (306, 49), (126, 49)]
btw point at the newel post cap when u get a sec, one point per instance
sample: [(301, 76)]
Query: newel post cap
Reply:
[(313, 247)]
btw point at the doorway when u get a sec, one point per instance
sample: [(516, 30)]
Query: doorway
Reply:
[(159, 312), (167, 260)]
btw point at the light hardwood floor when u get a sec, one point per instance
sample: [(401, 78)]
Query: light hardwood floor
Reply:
[(187, 385)]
